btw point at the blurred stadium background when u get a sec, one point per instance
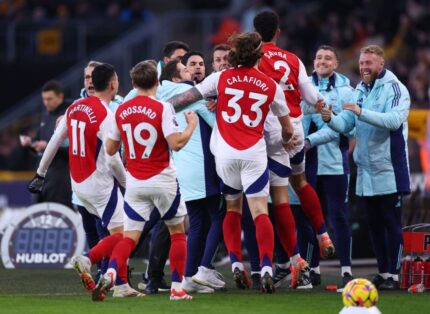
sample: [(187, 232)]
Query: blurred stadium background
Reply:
[(45, 39)]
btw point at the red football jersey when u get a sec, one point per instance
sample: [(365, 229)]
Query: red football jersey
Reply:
[(143, 123), (244, 98), (84, 118), (283, 67)]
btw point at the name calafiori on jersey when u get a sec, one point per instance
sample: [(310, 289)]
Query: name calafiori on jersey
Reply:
[(85, 109), (269, 54), (247, 79), (138, 109)]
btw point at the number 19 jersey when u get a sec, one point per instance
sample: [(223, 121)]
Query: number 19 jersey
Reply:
[(143, 123), (245, 96)]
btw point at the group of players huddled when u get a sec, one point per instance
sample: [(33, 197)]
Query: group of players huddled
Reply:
[(217, 147)]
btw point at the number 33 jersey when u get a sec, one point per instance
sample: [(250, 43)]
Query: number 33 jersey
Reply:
[(245, 96), (143, 123)]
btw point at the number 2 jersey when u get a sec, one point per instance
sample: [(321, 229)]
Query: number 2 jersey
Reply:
[(287, 69), (245, 96), (87, 123), (143, 123)]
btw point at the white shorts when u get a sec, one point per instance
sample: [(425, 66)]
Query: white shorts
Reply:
[(278, 159), (140, 201), (297, 156), (279, 169), (249, 176), (108, 207)]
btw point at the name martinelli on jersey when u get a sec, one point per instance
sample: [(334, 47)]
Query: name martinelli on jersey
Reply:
[(246, 79), (138, 109), (85, 109), (269, 54)]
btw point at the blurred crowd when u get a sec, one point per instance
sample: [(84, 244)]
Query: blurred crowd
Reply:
[(401, 27)]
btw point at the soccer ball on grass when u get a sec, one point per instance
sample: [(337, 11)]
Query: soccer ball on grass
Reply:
[(360, 292)]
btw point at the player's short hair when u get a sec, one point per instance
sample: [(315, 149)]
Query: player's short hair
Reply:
[(93, 64), (246, 49), (144, 74), (329, 48), (171, 46), (266, 23), (102, 75), (377, 50), (189, 54), (53, 86), (170, 71), (222, 47)]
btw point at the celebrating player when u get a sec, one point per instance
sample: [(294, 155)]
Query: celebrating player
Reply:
[(245, 96), (147, 128)]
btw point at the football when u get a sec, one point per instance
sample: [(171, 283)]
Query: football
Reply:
[(360, 292)]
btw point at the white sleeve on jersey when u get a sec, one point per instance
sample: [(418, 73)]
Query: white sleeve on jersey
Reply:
[(114, 133), (208, 87), (307, 89), (51, 149), (169, 124), (114, 161), (279, 105)]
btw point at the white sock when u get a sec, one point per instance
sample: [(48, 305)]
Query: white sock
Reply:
[(237, 265), (294, 259), (395, 277), (345, 269), (176, 286), (283, 265), (113, 271), (266, 269), (385, 275), (319, 236), (316, 270)]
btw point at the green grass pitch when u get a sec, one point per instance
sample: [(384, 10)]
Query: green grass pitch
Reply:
[(59, 291)]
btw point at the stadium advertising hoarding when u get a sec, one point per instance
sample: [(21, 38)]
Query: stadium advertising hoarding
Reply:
[(44, 235)]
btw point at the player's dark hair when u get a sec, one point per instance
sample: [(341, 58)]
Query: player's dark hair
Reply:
[(266, 23), (170, 71), (329, 48), (171, 46), (222, 47), (102, 75), (189, 54), (246, 49), (144, 74), (54, 86)]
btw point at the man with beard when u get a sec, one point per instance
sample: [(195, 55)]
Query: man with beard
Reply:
[(379, 112)]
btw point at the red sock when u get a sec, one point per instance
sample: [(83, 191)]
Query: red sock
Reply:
[(265, 239), (118, 259), (312, 207), (104, 248), (177, 255), (232, 229), (286, 228)]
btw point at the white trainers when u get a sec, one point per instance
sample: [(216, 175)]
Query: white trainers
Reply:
[(82, 265), (190, 286), (105, 283), (209, 277), (124, 291)]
